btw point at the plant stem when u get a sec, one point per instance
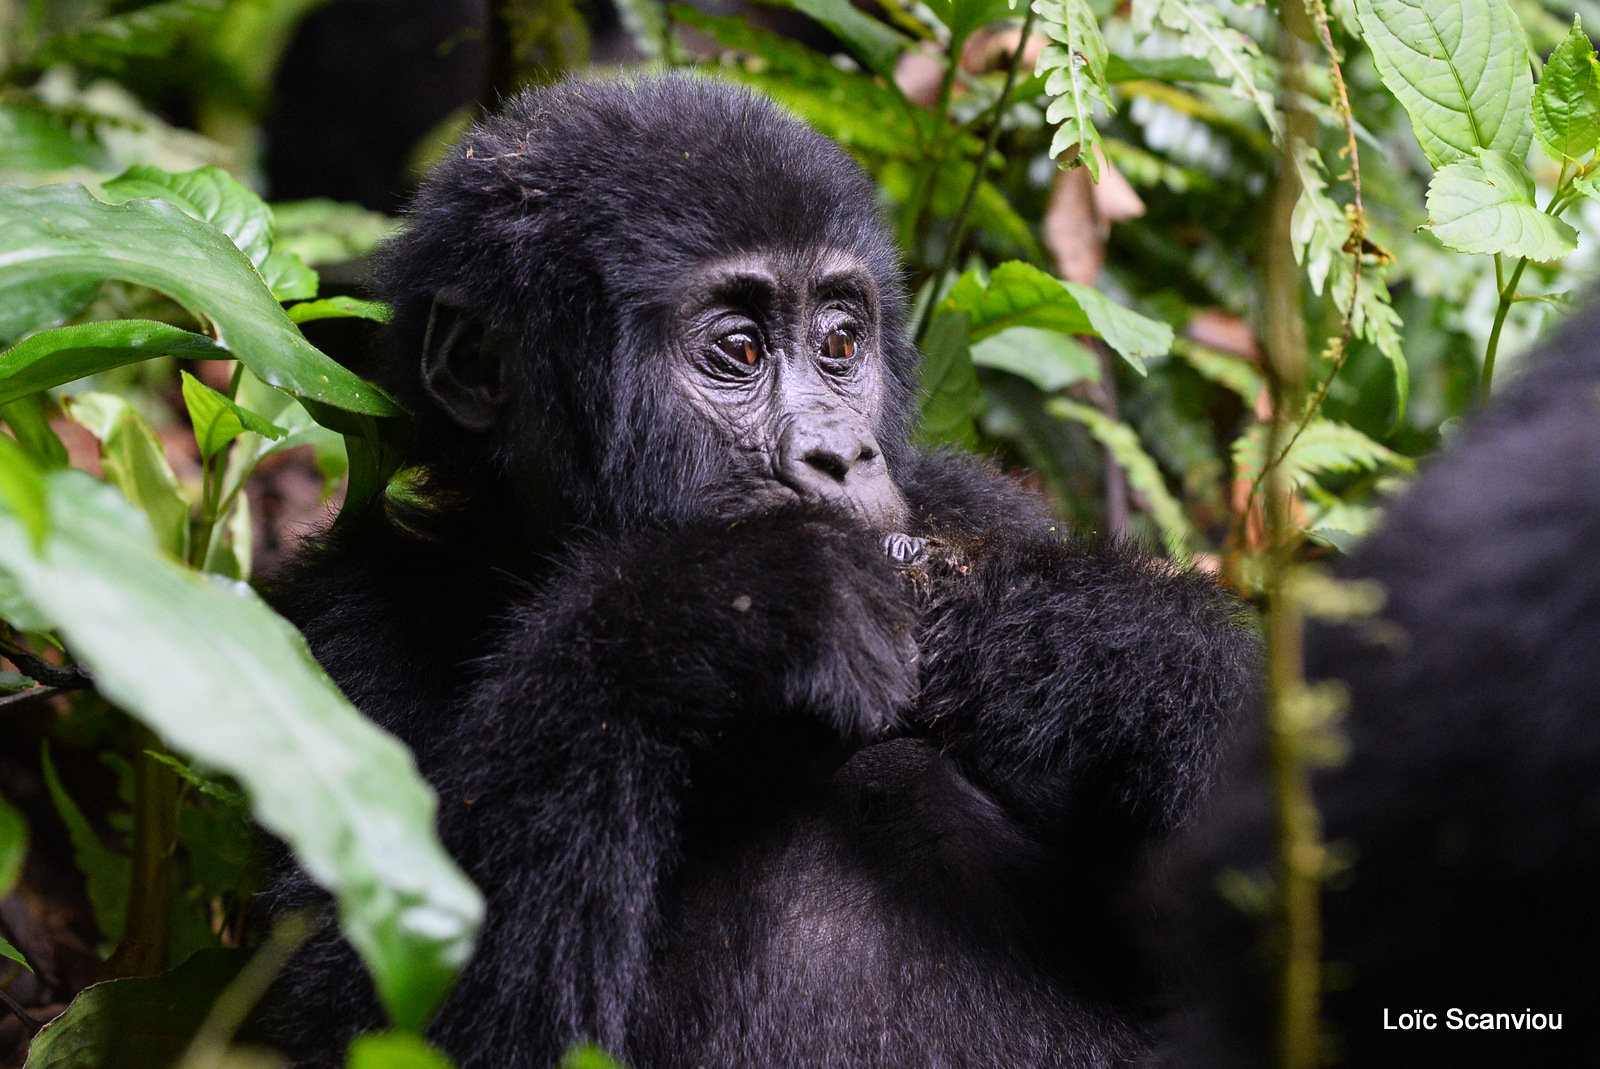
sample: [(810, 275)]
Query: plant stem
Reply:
[(143, 950), (958, 230), (1300, 851), (1508, 294)]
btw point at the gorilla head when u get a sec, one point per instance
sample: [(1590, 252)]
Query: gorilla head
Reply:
[(699, 316)]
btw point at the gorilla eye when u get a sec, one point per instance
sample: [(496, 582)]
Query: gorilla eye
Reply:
[(740, 348), (840, 344)]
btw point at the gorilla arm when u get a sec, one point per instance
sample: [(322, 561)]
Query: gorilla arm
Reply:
[(1084, 687), (601, 689)]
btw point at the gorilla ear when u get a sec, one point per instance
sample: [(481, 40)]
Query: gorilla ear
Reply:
[(463, 363)]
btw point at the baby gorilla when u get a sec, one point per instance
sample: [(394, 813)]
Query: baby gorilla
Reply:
[(770, 740)]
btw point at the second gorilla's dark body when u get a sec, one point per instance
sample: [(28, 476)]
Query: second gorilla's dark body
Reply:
[(738, 790)]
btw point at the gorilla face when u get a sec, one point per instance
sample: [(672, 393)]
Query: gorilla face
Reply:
[(779, 355), (627, 322)]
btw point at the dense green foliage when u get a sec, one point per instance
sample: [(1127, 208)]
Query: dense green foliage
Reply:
[(1216, 274)]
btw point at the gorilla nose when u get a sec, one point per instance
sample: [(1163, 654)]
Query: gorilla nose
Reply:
[(835, 459)]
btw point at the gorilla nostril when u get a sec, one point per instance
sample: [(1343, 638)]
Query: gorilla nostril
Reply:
[(829, 463)]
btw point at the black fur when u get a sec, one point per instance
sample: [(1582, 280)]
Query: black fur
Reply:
[(738, 790), (1470, 802)]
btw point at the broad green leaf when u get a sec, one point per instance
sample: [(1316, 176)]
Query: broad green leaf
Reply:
[(1566, 104), (135, 462), (340, 308), (22, 488), (13, 847), (210, 194), (1485, 205), (217, 420), (44, 302), (394, 1050), (1460, 68), (9, 951), (141, 1023), (150, 32), (1203, 33), (213, 196), (288, 277), (1020, 295), (60, 231), (1122, 441), (872, 42), (949, 386), (1074, 68), (1049, 360), (226, 681), (1589, 186), (1324, 446), (105, 872), (66, 354)]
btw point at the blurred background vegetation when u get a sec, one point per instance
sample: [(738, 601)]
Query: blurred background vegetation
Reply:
[(1142, 161)]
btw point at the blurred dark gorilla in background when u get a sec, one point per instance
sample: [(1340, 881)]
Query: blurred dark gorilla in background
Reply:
[(771, 739), (1471, 797)]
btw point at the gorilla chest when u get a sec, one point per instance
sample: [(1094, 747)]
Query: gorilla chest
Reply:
[(884, 923)]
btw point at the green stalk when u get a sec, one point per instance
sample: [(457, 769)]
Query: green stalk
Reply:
[(1508, 295), (147, 928), (1299, 832), (958, 231)]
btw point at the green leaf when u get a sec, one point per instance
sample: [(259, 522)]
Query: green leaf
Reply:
[(226, 681), (40, 139), (873, 43), (22, 490), (328, 231), (29, 419), (1170, 69), (1485, 205), (9, 951), (105, 872), (949, 385), (213, 196), (217, 420), (1324, 446), (13, 848), (288, 276), (588, 1056), (1233, 372), (44, 302), (1122, 441), (141, 1023), (1021, 295), (1203, 33), (65, 354), (209, 194), (135, 462), (54, 232), (1566, 104), (394, 1050), (340, 308), (961, 17), (1049, 360), (150, 32), (1075, 76), (1460, 68)]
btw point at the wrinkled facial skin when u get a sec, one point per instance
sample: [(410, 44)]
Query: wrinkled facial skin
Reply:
[(779, 353)]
